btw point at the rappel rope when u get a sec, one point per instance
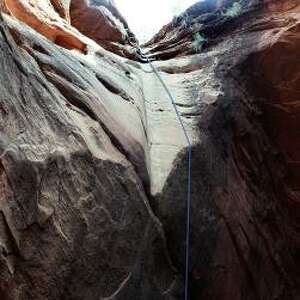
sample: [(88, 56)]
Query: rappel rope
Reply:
[(188, 210)]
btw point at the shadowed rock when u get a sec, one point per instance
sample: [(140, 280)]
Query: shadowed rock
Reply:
[(93, 167)]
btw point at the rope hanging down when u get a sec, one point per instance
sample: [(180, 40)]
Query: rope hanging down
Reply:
[(188, 210)]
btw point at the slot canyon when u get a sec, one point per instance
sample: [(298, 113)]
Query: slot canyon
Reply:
[(93, 160)]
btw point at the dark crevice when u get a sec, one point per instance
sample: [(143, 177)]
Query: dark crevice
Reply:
[(39, 49), (191, 114), (71, 97), (113, 89), (185, 105), (108, 85)]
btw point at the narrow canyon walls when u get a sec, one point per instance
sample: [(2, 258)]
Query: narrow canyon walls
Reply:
[(93, 165)]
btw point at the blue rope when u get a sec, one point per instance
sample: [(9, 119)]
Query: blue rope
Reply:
[(189, 184)]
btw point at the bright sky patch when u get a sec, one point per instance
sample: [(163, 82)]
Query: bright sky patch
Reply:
[(146, 17)]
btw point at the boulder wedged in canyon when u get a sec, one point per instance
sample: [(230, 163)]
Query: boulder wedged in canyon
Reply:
[(93, 160)]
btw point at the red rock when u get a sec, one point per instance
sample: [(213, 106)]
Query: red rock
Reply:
[(93, 169), (105, 25), (42, 17)]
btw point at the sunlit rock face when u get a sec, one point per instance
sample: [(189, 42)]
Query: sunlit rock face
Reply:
[(102, 22), (45, 17), (68, 23), (93, 167)]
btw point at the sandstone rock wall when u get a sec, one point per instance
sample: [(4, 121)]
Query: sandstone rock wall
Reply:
[(246, 201), (69, 23), (93, 163)]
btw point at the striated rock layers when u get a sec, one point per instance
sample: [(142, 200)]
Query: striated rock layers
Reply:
[(101, 21), (93, 163)]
